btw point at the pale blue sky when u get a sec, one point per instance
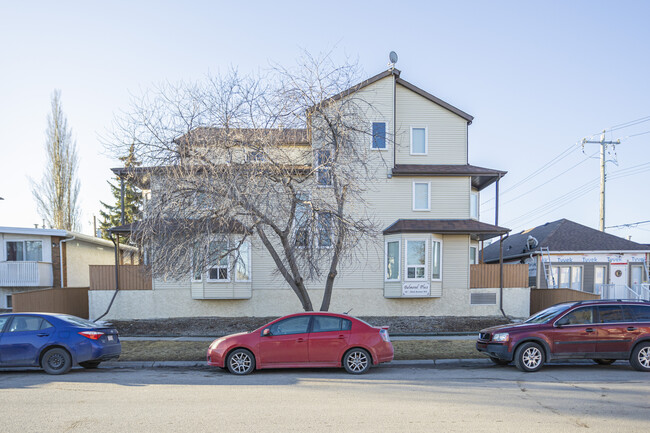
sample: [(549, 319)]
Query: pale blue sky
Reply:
[(537, 77)]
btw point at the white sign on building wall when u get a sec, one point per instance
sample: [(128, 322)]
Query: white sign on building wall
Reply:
[(595, 258), (416, 289)]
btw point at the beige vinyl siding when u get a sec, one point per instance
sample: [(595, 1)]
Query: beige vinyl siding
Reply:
[(455, 263), (446, 131)]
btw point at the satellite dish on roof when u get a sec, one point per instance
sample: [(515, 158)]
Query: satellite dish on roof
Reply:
[(392, 57)]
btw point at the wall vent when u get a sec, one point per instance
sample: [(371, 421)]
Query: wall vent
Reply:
[(483, 299)]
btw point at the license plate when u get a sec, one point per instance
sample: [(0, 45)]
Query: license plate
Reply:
[(111, 338)]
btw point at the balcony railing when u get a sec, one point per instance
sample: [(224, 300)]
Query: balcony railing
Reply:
[(25, 274)]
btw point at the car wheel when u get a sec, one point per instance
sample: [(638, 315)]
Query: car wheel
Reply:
[(604, 361), (357, 361), (240, 362), (529, 357), (90, 364), (499, 361), (640, 358), (56, 361)]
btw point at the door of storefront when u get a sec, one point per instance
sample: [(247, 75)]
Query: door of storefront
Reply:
[(618, 277)]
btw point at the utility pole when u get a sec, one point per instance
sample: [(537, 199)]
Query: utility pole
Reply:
[(603, 147)]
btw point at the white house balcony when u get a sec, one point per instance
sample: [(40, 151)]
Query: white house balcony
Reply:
[(25, 274)]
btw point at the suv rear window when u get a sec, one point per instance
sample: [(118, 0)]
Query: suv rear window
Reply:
[(612, 314), (641, 313)]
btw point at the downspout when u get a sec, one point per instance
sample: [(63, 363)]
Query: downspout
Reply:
[(394, 120), (117, 279), (61, 256), (501, 239)]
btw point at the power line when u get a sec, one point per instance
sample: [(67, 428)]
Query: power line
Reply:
[(574, 194), (546, 166), (630, 224)]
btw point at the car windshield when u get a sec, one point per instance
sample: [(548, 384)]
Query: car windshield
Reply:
[(548, 314), (78, 321)]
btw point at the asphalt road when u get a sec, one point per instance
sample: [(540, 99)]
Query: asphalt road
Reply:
[(453, 397)]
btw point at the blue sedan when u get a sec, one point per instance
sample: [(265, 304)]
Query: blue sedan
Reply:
[(55, 342)]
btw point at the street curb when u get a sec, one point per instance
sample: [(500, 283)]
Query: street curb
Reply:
[(199, 364)]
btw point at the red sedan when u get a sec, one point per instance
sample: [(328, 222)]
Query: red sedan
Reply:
[(304, 340)]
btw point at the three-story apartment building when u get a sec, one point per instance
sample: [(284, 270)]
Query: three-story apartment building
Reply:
[(425, 196)]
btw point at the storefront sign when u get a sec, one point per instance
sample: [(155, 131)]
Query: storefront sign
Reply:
[(416, 289), (595, 258)]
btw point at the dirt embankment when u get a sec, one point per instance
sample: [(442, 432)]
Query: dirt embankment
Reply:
[(219, 326)]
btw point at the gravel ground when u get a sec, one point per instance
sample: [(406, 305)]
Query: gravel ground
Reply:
[(219, 326)]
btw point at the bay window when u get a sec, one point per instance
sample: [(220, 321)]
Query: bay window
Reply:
[(436, 260), (243, 263), (416, 259), (219, 264), (392, 260)]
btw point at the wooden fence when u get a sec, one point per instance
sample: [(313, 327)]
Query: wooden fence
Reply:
[(69, 300), (544, 298), (487, 276), (132, 277)]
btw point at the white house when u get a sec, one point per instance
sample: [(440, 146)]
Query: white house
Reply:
[(425, 195)]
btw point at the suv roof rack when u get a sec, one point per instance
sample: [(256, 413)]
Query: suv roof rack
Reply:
[(610, 300)]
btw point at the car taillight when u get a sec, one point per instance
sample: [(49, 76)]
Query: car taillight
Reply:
[(384, 335), (93, 335)]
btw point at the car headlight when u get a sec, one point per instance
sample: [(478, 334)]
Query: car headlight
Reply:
[(501, 337), (215, 343)]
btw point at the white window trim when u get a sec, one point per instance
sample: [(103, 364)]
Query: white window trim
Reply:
[(436, 239), (308, 228), (319, 170), (248, 265), (228, 270), (24, 249), (317, 237), (428, 196), (470, 255), (379, 149), (426, 140), (399, 264), (473, 194), (426, 260)]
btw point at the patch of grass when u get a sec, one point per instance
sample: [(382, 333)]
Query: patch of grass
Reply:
[(165, 350), (435, 349)]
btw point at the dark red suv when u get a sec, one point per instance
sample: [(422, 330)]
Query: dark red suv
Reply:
[(604, 330)]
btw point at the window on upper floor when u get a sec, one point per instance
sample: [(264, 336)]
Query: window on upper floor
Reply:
[(301, 220), (473, 205), (418, 141), (323, 167), (24, 251), (324, 229), (421, 196), (392, 260), (379, 135), (416, 259), (473, 255)]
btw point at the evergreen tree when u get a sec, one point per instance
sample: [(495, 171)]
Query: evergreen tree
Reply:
[(111, 214)]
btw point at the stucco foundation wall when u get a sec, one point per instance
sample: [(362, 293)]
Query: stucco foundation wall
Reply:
[(152, 304)]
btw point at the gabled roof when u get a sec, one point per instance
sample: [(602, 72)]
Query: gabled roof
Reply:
[(560, 235), (481, 177), (481, 230), (407, 85)]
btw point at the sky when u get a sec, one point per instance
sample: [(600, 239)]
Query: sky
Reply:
[(538, 77)]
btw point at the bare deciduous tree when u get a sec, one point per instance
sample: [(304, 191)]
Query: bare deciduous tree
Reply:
[(274, 159), (57, 193)]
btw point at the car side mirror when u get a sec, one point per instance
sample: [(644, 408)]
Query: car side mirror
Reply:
[(266, 333)]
